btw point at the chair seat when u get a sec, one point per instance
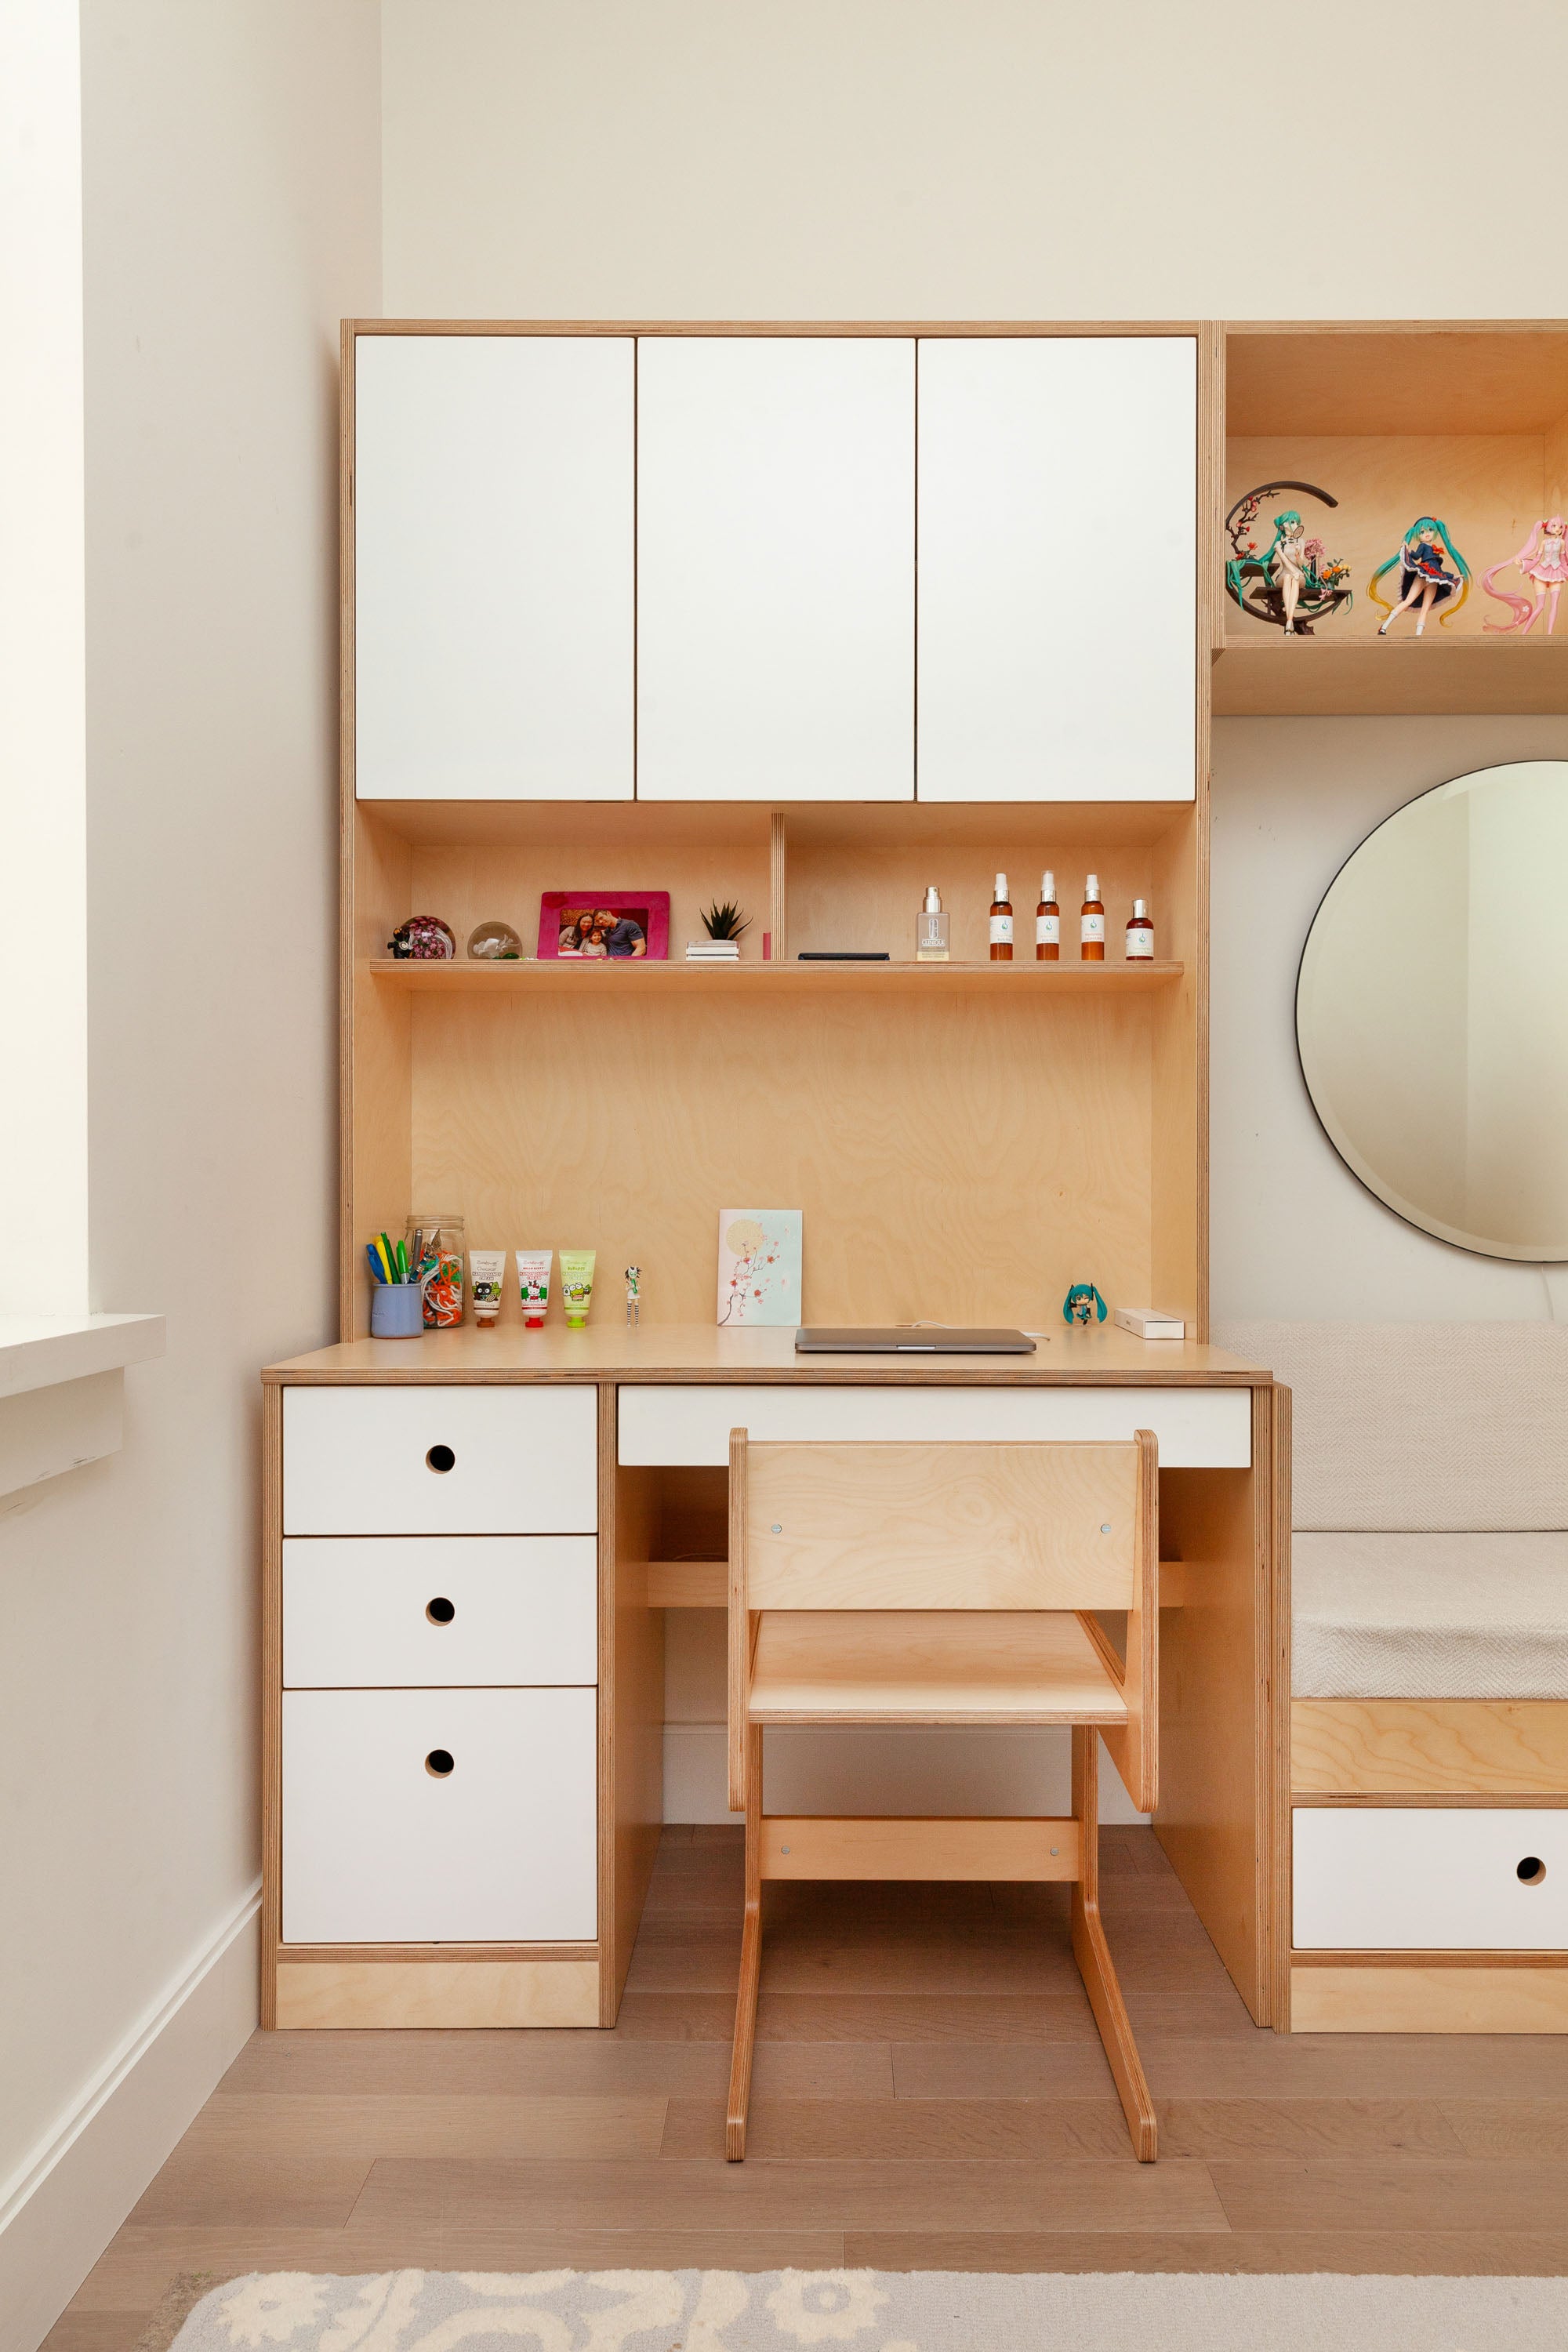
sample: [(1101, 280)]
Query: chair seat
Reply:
[(955, 1666)]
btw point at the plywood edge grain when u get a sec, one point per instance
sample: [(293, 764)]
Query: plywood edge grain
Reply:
[(904, 1847), (1488, 1999), (419, 1995)]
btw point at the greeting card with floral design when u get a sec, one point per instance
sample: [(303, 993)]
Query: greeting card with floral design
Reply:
[(759, 1266)]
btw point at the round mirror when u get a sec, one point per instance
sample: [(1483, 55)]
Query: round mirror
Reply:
[(1432, 1012)]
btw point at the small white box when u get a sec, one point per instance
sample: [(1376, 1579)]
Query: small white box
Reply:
[(1149, 1323)]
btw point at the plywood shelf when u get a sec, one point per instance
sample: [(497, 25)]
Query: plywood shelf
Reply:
[(648, 978), (1371, 678)]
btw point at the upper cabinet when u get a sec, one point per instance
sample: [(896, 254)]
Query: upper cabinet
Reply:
[(494, 491), (1058, 492), (775, 568)]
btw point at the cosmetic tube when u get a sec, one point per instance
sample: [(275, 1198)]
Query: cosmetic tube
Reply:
[(486, 1273), (533, 1285), (577, 1286)]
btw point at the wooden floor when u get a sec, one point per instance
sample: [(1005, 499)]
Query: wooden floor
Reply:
[(929, 2093)]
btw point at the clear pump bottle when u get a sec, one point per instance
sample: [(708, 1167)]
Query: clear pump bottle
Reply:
[(931, 930)]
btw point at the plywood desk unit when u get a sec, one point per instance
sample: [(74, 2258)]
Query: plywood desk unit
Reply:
[(470, 1540)]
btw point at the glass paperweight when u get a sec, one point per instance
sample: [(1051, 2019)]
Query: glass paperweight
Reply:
[(494, 942)]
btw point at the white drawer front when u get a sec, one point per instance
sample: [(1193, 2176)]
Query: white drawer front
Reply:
[(365, 1461), (365, 1610), (1384, 1878), (1207, 1428), (377, 1848)]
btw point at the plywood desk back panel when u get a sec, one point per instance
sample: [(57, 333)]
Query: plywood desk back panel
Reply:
[(954, 1163)]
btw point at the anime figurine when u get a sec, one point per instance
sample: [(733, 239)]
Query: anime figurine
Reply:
[(1083, 1304), (1293, 582), (634, 1296), (1424, 580), (1544, 561)]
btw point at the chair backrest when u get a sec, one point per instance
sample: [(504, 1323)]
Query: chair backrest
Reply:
[(968, 1526)]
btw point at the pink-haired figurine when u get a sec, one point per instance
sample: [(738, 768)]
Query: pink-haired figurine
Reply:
[(1544, 561)]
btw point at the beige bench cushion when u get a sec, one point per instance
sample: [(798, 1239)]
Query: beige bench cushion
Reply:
[(1429, 1616), (1421, 1425)]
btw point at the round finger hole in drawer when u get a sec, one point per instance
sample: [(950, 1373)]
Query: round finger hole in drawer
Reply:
[(440, 1610), (439, 1762), (440, 1457), (1531, 1871)]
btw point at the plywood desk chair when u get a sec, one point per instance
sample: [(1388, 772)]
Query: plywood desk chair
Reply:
[(944, 1584)]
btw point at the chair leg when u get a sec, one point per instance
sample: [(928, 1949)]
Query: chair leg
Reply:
[(751, 1959), (1093, 1956)]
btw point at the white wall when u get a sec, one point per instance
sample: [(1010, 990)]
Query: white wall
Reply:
[(1293, 1234), (231, 195), (918, 158)]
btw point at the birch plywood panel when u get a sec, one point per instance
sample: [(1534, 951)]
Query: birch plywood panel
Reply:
[(950, 1166), (466, 886), (941, 1527), (1487, 488)]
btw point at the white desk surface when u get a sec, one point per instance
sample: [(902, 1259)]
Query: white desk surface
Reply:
[(607, 1350)]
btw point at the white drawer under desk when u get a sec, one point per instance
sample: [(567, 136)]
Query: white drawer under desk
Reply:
[(437, 1459), (439, 1816), (1398, 1878), (679, 1427), (381, 1611)]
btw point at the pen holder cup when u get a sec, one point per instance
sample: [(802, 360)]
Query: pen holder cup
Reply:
[(396, 1310)]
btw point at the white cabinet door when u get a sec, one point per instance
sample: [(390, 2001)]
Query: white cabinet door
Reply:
[(1447, 1878), (1058, 568), (439, 1816), (775, 568), (494, 592)]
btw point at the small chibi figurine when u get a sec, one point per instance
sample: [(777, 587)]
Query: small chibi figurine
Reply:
[(1424, 580), (1294, 581), (423, 938), (1083, 1304), (634, 1296), (1544, 561)]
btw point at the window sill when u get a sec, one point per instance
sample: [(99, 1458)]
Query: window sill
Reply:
[(62, 1390), (38, 1351)]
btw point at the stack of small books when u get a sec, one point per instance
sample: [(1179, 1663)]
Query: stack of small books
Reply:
[(712, 951)]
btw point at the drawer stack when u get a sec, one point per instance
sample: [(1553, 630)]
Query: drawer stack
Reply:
[(438, 1727)]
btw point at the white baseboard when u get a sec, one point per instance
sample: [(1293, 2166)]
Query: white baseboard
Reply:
[(74, 2188), (844, 1769)]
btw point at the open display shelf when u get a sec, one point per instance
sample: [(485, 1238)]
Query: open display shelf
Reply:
[(653, 976), (1467, 422)]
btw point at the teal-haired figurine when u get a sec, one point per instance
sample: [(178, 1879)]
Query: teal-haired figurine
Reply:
[(1083, 1304), (1425, 580)]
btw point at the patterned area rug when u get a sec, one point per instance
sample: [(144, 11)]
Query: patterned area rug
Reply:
[(872, 2311)]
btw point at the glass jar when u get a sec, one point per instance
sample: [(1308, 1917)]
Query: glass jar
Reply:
[(442, 1238)]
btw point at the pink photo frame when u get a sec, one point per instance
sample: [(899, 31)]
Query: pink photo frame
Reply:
[(567, 915)]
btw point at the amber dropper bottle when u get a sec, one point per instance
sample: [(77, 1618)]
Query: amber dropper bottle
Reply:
[(1001, 923), (1047, 922), (1140, 934), (1092, 923)]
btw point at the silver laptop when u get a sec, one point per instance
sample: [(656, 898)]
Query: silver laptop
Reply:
[(890, 1339)]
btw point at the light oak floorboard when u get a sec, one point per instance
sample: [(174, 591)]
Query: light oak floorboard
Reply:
[(682, 2193), (898, 2118)]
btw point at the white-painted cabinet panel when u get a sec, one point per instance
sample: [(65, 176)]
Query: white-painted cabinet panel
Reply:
[(440, 1461), (361, 1611), (439, 1816), (1446, 1879), (494, 589), (1058, 568), (1196, 1428), (775, 568)]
